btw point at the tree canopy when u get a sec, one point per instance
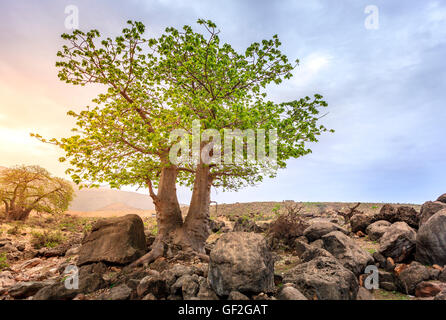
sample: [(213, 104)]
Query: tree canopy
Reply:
[(154, 86), (27, 188)]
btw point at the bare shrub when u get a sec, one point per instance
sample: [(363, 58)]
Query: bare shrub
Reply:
[(288, 226)]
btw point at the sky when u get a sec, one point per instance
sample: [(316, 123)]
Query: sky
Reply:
[(384, 83)]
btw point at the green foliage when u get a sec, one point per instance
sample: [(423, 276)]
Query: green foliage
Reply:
[(3, 261), (46, 239), (157, 85), (27, 188)]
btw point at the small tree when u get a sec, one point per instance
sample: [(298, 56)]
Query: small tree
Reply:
[(27, 188)]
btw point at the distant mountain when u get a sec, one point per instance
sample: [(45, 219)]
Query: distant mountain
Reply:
[(119, 206), (104, 199)]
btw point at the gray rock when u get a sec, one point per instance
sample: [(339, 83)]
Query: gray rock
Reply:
[(442, 198), (205, 292), (235, 295), (387, 281), (364, 294), (428, 209), (290, 293), (153, 284), (377, 229), (246, 225), (241, 261), (22, 290), (116, 240), (360, 221), (394, 214), (348, 253), (398, 242), (411, 276), (120, 292), (431, 240), (317, 230), (323, 278)]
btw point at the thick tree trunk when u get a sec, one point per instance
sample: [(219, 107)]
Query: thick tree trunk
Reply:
[(168, 215), (196, 225), (18, 214), (187, 236)]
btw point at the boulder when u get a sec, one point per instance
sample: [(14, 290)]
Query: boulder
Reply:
[(411, 276), (317, 230), (364, 294), (396, 214), (116, 240), (323, 278), (360, 221), (427, 289), (348, 253), (153, 284), (205, 291), (241, 261), (245, 225), (387, 281), (431, 240), (290, 293), (235, 295), (398, 242), (376, 230), (87, 283), (442, 198), (22, 290), (428, 209), (216, 225), (120, 292)]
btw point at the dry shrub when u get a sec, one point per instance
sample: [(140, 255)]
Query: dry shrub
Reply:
[(288, 226)]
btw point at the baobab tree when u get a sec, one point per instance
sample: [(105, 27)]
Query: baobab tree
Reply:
[(27, 188), (153, 87)]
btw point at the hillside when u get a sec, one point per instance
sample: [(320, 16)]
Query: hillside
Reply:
[(100, 198)]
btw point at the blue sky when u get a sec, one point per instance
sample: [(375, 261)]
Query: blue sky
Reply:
[(385, 88)]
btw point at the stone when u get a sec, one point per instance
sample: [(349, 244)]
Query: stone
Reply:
[(323, 278), (235, 295), (120, 292), (364, 294), (347, 251), (246, 225), (428, 209), (153, 284), (242, 262), (316, 230), (377, 229), (398, 242), (431, 240), (22, 290), (387, 281), (394, 214), (205, 292), (428, 289), (87, 283), (216, 225), (411, 276), (360, 221), (290, 293), (117, 240), (442, 198)]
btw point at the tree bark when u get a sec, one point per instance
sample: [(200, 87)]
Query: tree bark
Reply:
[(193, 233), (168, 215), (18, 214), (196, 224)]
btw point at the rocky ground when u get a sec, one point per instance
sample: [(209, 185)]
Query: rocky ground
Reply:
[(289, 251)]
